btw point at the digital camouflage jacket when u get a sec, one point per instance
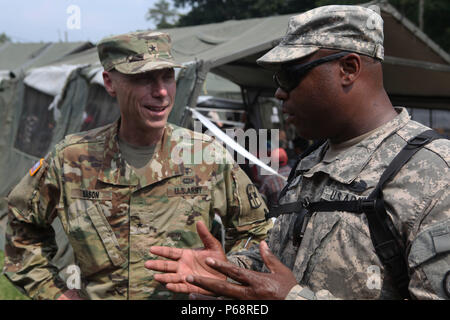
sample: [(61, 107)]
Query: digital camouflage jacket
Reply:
[(336, 258)]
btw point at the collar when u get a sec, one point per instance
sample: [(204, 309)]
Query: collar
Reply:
[(349, 164), (116, 171)]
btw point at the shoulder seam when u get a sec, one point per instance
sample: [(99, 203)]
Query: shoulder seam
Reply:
[(64, 144), (427, 146), (437, 154)]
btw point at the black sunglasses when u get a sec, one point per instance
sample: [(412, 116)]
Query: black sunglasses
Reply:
[(288, 77)]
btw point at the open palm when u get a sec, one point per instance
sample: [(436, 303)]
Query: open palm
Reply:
[(185, 262)]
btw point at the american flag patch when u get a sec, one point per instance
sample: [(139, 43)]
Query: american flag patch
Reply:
[(36, 167)]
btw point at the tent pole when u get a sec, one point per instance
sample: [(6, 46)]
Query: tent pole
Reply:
[(201, 72)]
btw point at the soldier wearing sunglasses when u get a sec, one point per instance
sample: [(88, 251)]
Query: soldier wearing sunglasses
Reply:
[(329, 77)]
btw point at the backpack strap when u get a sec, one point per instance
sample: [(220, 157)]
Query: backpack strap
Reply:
[(384, 235), (273, 213)]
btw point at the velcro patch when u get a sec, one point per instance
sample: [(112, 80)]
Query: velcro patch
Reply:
[(252, 194), (187, 191), (36, 167), (91, 194), (441, 239)]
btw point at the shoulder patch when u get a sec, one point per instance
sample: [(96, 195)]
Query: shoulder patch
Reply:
[(252, 194), (36, 167)]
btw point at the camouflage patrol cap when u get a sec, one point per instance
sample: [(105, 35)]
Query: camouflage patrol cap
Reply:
[(340, 27), (136, 52)]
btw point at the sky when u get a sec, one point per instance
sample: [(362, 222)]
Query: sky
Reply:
[(83, 20)]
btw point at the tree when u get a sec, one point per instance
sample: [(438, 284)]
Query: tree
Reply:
[(436, 18), (435, 15), (209, 11), (4, 37), (161, 14)]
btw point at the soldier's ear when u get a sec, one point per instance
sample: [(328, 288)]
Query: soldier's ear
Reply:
[(108, 81), (350, 68)]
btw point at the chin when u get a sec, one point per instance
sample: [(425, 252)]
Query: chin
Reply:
[(156, 125)]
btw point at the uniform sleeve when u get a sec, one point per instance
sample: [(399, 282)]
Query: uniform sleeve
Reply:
[(30, 239), (240, 206), (264, 192), (299, 292), (247, 258), (429, 257)]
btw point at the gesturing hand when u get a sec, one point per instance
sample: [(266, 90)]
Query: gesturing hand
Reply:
[(187, 262), (254, 285)]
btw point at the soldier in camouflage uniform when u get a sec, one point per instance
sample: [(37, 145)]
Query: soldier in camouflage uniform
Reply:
[(114, 206), (341, 99)]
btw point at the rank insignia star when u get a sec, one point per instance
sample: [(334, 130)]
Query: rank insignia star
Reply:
[(152, 48)]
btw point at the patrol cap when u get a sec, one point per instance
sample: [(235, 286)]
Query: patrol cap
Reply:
[(136, 52), (340, 27)]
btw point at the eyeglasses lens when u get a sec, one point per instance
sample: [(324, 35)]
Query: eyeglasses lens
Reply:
[(285, 80)]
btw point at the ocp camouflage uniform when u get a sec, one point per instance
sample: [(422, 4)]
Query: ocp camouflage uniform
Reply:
[(336, 257), (112, 216)]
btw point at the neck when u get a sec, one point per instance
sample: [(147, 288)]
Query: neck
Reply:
[(370, 113), (137, 137)]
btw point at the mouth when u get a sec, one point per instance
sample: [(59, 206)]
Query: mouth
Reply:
[(156, 110)]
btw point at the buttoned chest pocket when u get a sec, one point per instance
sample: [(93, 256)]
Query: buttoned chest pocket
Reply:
[(94, 242), (338, 256)]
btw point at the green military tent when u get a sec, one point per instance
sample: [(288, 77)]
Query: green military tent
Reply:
[(44, 103)]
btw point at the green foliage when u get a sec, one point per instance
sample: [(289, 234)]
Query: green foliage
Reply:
[(436, 12), (328, 2), (209, 11), (436, 16), (4, 37), (161, 14), (7, 290)]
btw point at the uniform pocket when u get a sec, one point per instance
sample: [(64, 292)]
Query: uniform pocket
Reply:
[(340, 258), (430, 251), (94, 243), (106, 234)]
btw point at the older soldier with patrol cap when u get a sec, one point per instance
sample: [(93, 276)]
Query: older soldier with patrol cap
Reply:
[(119, 190), (366, 213)]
